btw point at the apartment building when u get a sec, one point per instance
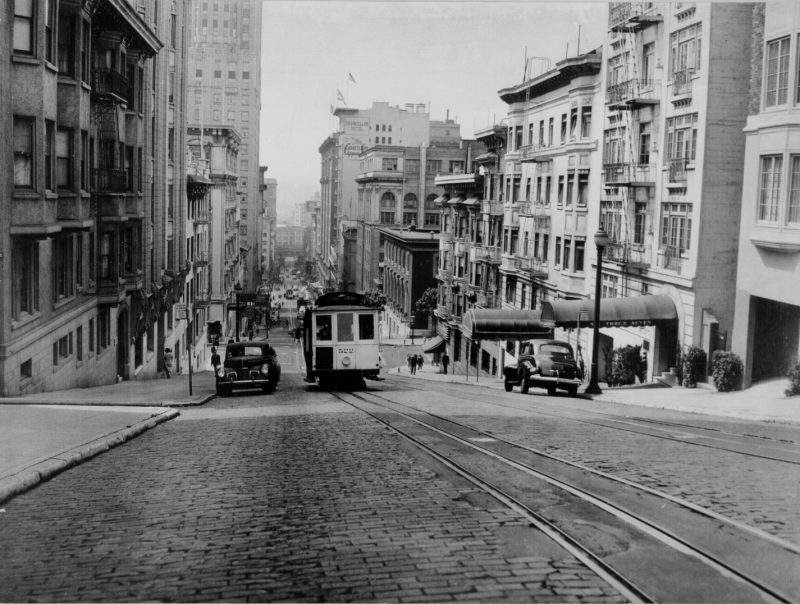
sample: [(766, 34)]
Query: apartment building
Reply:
[(269, 191), (676, 86), (96, 163), (342, 218), (766, 329), (396, 186), (224, 89)]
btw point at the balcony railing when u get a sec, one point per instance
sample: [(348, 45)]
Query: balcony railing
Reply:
[(202, 299), (627, 253), (442, 312), (201, 259), (677, 169), (682, 81), (626, 174), (202, 218), (487, 299), (633, 92), (622, 13), (108, 180), (445, 275), (671, 258), (534, 266), (111, 82)]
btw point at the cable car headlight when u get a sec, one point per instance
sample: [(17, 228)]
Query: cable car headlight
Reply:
[(265, 369), (220, 373), (346, 361)]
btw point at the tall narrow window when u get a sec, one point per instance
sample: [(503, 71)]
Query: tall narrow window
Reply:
[(64, 158), (793, 207), (769, 188), (777, 80), (586, 122), (24, 277), (23, 151), (63, 275), (676, 226), (49, 30), (640, 217), (66, 46), (85, 54), (23, 26), (49, 144), (85, 165)]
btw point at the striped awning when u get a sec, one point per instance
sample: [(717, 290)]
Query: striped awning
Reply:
[(614, 312), (493, 324)]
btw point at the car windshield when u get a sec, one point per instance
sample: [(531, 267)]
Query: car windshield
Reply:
[(556, 351), (242, 351)]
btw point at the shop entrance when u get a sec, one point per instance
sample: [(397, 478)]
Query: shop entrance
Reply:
[(776, 336)]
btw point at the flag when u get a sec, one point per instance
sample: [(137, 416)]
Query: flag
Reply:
[(340, 96), (352, 79)]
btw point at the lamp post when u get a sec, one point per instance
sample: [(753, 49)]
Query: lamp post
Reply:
[(600, 241), (238, 289)]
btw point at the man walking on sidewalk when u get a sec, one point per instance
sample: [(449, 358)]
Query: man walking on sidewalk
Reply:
[(445, 362)]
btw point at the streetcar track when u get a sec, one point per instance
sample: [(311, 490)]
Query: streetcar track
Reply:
[(632, 422), (649, 527)]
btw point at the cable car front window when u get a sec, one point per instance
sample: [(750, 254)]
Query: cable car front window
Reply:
[(344, 327), (324, 327), (366, 327)]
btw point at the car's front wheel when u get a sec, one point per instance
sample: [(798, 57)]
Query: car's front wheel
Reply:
[(269, 387), (572, 390), (524, 384), (508, 385)]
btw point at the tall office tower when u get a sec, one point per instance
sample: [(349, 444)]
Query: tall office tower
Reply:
[(223, 89), (269, 188), (83, 299)]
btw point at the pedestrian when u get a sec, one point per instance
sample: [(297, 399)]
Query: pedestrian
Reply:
[(412, 364), (420, 361), (215, 360), (168, 360), (445, 362)]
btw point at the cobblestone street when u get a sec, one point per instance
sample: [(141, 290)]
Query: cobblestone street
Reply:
[(281, 501)]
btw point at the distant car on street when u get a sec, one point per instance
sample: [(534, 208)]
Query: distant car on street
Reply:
[(248, 365), (548, 364)]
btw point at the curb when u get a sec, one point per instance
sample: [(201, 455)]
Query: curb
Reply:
[(45, 469)]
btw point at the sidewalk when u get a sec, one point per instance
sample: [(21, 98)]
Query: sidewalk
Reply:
[(764, 401), (48, 432)]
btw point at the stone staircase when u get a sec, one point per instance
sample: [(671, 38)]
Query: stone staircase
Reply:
[(668, 378)]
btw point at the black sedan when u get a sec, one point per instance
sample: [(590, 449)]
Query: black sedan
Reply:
[(248, 365)]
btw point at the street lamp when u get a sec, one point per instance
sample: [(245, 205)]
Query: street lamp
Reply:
[(601, 241), (238, 289)]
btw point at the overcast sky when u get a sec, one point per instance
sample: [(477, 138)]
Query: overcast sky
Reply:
[(451, 55)]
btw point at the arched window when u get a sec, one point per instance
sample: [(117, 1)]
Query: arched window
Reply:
[(410, 205), (388, 207), (432, 214)]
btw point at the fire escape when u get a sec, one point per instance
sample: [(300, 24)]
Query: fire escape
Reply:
[(629, 170)]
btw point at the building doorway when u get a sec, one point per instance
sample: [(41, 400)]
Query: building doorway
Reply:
[(776, 335), (122, 344)]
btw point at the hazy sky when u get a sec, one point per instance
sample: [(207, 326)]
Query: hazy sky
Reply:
[(452, 55)]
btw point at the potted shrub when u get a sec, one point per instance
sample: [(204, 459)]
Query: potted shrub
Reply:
[(794, 381), (726, 370), (694, 366)]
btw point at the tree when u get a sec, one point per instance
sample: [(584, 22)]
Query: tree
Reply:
[(428, 300), (375, 299)]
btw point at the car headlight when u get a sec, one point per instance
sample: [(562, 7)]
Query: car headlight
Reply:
[(265, 369), (220, 372), (346, 361)]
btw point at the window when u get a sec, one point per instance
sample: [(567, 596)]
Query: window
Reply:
[(541, 133), (558, 251), (644, 143), (23, 26), (563, 128), (611, 218), (217, 74), (609, 286), (324, 331), (769, 187), (583, 188), (793, 209), (344, 327), (777, 80), (433, 166), (573, 122), (561, 189), (25, 277), (547, 186), (457, 167), (550, 132), (104, 328), (90, 340), (567, 253), (66, 46), (366, 327), (198, 73), (682, 137), (410, 205), (245, 75), (79, 343), (570, 187), (388, 206), (639, 222), (49, 143), (85, 165), (389, 163), (86, 59), (586, 122), (580, 255), (411, 165), (685, 52), (26, 370), (231, 74), (676, 226), (64, 153), (23, 151)]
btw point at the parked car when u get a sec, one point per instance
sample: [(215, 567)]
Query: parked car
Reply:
[(548, 364), (248, 365)]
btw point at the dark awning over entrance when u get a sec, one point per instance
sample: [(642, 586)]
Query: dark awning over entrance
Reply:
[(485, 324), (435, 344), (614, 312)]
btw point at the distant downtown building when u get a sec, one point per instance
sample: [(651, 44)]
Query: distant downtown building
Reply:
[(224, 90), (94, 105)]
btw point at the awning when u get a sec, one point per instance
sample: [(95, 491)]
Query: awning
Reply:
[(486, 157), (435, 344), (199, 179), (471, 201), (614, 312), (492, 324), (455, 200), (441, 199)]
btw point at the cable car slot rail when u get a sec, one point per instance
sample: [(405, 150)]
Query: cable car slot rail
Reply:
[(712, 557)]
